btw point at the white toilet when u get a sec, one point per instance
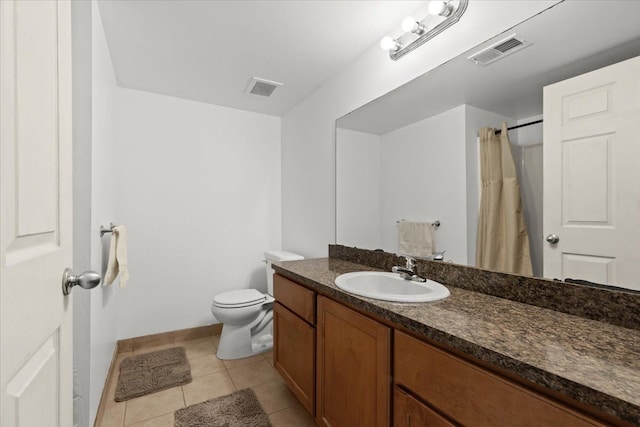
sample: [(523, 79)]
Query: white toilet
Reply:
[(247, 315)]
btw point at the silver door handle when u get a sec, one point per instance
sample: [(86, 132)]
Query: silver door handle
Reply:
[(552, 238), (86, 280)]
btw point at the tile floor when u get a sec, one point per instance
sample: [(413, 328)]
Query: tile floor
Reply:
[(212, 377)]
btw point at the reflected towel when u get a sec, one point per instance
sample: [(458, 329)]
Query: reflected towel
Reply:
[(416, 239), (117, 257)]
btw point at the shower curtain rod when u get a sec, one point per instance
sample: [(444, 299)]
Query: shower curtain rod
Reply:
[(499, 131)]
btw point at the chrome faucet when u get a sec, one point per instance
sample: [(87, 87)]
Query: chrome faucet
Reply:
[(407, 272), (437, 256)]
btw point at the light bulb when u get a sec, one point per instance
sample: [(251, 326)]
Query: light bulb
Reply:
[(439, 7), (388, 43), (409, 24)]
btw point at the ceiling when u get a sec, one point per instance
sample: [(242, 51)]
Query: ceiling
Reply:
[(209, 50), (569, 39)]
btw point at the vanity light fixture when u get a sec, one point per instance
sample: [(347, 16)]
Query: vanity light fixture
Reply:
[(439, 7), (410, 25), (388, 43), (442, 15)]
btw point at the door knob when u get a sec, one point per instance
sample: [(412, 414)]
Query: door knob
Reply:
[(86, 280), (552, 238)]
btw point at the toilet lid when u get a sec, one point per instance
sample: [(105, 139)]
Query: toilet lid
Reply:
[(239, 298)]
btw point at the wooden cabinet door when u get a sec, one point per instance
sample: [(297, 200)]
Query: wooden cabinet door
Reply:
[(294, 354), (353, 367), (409, 412)]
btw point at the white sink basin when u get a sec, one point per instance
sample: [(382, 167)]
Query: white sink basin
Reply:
[(390, 287)]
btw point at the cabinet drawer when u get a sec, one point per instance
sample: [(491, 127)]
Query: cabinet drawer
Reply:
[(294, 353), (296, 298), (472, 395), (409, 412)]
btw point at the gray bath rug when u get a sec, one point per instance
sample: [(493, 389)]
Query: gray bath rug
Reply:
[(238, 409), (151, 372)]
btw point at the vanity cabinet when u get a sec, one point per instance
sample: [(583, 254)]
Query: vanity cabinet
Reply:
[(294, 346), (410, 412), (353, 368), (338, 362), (470, 394)]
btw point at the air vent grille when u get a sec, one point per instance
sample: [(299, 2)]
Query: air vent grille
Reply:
[(262, 87), (508, 45), (498, 50)]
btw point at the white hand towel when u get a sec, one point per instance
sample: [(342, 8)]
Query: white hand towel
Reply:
[(416, 239), (117, 257)]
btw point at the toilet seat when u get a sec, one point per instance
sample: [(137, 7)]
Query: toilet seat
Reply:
[(239, 298)]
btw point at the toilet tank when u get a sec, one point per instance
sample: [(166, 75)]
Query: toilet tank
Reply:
[(276, 255)]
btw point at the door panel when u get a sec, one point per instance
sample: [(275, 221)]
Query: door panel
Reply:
[(591, 192), (31, 386), (35, 221), (36, 88), (587, 181)]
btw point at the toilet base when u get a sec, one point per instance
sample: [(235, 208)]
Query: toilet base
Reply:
[(236, 342)]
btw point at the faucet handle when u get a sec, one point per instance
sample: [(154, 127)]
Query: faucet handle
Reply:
[(410, 262)]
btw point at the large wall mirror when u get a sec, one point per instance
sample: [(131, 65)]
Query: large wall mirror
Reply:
[(412, 154)]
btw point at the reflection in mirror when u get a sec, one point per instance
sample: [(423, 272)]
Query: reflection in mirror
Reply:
[(413, 153)]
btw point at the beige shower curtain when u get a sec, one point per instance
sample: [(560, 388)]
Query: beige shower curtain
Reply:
[(503, 243)]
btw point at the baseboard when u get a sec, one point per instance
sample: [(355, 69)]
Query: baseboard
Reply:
[(147, 341)]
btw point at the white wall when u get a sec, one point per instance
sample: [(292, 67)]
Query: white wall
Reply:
[(425, 171), (423, 179), (358, 178), (308, 169), (199, 190), (104, 203)]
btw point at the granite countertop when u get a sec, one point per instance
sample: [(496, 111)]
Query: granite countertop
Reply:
[(591, 362)]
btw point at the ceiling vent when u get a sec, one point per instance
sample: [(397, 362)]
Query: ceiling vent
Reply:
[(262, 87), (498, 50)]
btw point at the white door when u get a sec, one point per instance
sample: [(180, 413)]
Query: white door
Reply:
[(35, 221), (592, 176)]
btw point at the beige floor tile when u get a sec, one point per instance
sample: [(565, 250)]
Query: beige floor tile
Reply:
[(241, 362), (111, 388), (111, 404), (113, 416), (166, 420), (152, 348), (269, 356), (205, 365), (216, 340), (295, 416), (198, 348), (208, 387), (274, 396), (154, 405), (253, 374)]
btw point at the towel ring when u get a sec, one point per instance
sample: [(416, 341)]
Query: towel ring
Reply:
[(107, 230)]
